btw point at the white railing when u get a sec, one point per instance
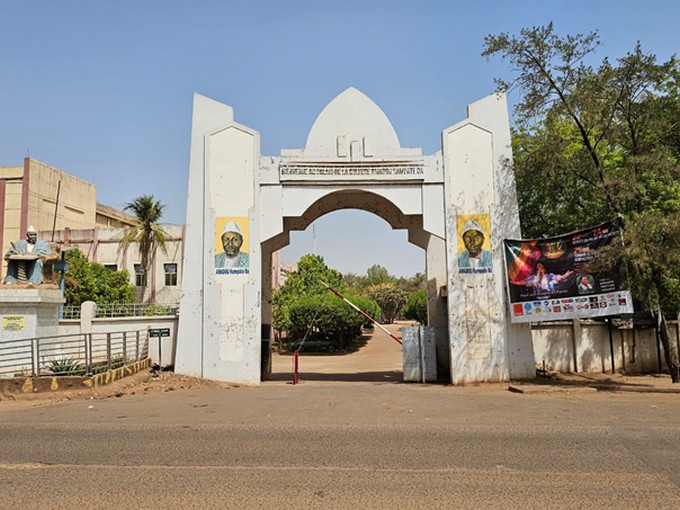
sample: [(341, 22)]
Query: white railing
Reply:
[(125, 310), (81, 354)]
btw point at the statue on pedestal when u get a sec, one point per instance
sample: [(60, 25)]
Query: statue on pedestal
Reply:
[(25, 260)]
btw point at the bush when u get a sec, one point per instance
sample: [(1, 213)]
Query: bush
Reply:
[(416, 307), (66, 366), (155, 310)]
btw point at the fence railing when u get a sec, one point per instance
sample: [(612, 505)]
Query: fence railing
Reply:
[(76, 354), (124, 310)]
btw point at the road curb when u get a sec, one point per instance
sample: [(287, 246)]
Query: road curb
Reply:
[(52, 384), (591, 388)]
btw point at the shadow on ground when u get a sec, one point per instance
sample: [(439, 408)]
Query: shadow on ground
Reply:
[(389, 376), (355, 346), (602, 381)]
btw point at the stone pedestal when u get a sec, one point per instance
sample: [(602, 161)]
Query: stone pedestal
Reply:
[(27, 311)]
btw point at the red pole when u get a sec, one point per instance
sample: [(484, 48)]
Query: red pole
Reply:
[(359, 310), (295, 367)]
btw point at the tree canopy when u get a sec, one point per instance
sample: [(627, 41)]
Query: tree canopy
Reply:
[(303, 302), (415, 308), (89, 281), (594, 143)]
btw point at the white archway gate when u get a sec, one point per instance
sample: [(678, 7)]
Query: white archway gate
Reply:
[(352, 159)]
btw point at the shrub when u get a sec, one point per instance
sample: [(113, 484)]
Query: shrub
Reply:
[(66, 366)]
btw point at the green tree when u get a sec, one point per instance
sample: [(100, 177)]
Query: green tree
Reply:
[(377, 275), (415, 308), (594, 143), (390, 299), (88, 281), (330, 313), (354, 281), (146, 233), (412, 284), (304, 282), (303, 302)]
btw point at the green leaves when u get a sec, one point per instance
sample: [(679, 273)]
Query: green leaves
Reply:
[(88, 281), (303, 301), (390, 299), (146, 233), (416, 307), (592, 143)]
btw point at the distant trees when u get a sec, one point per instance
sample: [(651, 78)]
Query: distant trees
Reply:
[(303, 302), (390, 299), (378, 275), (391, 293)]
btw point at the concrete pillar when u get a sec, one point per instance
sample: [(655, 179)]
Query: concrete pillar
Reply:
[(480, 196), (88, 311), (437, 311), (220, 317)]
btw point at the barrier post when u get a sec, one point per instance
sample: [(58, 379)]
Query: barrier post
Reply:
[(295, 367)]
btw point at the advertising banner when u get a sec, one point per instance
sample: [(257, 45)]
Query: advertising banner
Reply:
[(566, 277)]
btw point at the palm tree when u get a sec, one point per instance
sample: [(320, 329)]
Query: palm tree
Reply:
[(147, 233)]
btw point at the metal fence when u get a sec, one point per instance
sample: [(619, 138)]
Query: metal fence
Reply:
[(77, 354), (124, 310)]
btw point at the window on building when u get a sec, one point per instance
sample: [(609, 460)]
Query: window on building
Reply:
[(112, 267), (140, 276), (170, 275)]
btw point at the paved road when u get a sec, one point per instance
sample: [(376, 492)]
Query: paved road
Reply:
[(345, 444)]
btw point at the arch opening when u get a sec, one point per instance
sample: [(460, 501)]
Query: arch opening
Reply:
[(381, 213)]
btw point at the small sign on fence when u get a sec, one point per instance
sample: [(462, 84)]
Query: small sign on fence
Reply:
[(14, 323), (159, 332)]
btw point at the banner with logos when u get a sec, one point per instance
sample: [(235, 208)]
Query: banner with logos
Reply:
[(566, 277)]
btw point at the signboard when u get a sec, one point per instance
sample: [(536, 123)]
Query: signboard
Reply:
[(159, 332), (13, 322), (385, 170), (566, 277)]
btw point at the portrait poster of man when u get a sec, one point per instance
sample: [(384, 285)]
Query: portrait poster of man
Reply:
[(474, 243), (567, 276), (231, 245)]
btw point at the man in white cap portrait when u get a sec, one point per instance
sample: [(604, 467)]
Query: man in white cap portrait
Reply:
[(232, 240), (474, 255), (33, 268)]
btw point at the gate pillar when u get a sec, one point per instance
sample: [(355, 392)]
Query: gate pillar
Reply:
[(481, 210), (220, 321)]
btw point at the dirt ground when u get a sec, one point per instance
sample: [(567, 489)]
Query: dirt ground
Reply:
[(378, 358)]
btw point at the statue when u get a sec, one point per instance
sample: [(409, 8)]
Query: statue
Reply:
[(25, 260)]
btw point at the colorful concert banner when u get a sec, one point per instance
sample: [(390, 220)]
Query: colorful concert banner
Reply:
[(566, 277)]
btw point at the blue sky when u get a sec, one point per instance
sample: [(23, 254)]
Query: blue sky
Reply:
[(103, 89)]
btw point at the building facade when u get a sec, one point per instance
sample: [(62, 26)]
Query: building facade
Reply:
[(63, 209), (49, 199), (161, 284)]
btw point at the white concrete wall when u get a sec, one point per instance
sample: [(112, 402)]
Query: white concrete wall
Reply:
[(37, 309), (161, 351), (352, 159), (485, 346), (101, 245), (220, 318), (585, 347)]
